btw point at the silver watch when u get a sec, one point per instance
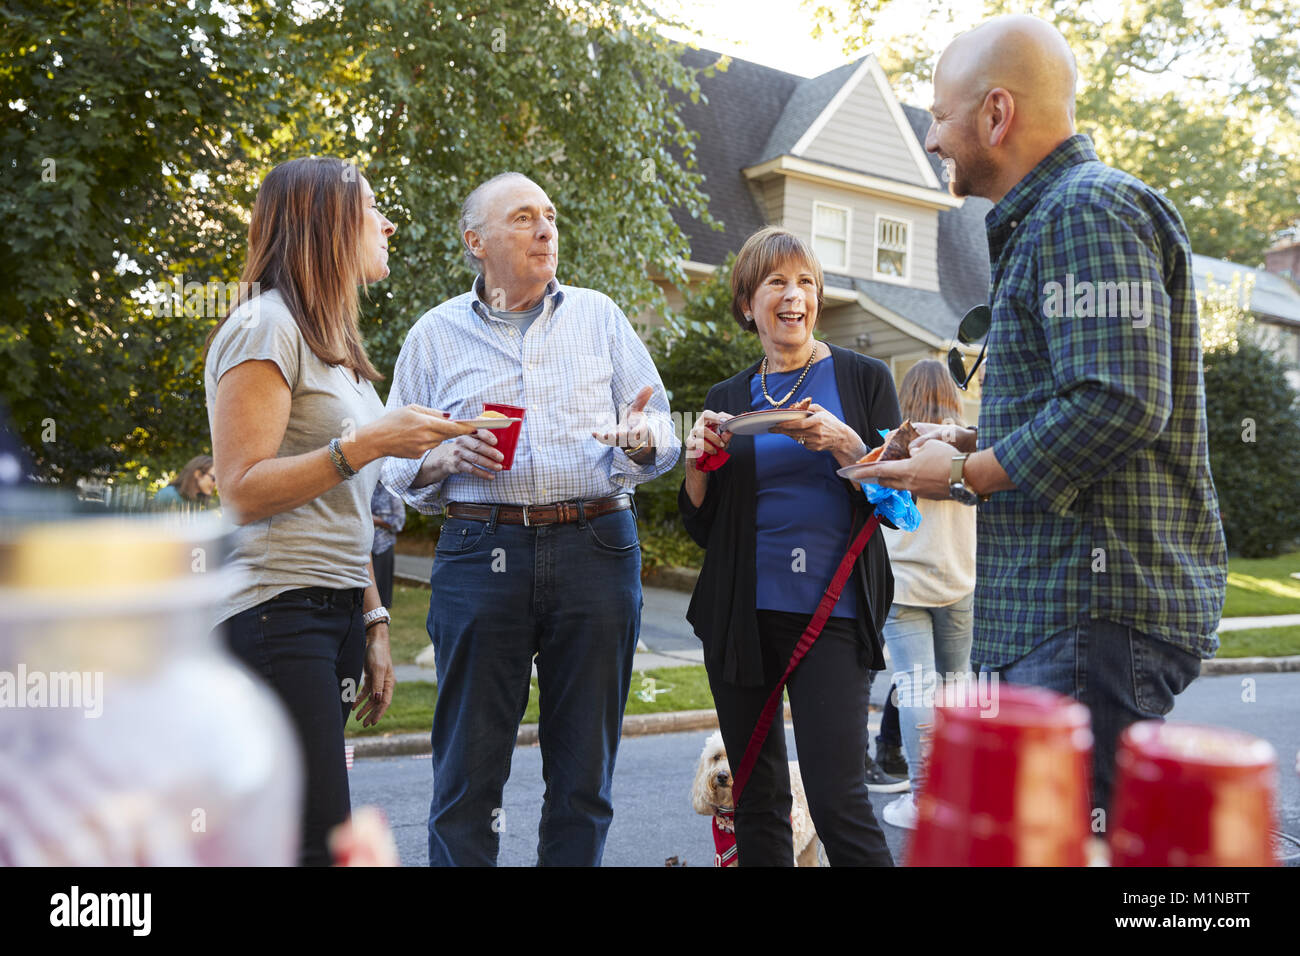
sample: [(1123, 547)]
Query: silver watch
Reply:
[(958, 490), (379, 615)]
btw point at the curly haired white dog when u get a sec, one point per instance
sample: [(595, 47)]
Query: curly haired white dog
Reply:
[(711, 797)]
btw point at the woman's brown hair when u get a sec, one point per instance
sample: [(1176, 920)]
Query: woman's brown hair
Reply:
[(928, 394), (759, 257), (304, 241), (187, 480)]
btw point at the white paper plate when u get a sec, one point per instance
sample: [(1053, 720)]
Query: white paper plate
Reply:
[(757, 423), (856, 471), (491, 424)]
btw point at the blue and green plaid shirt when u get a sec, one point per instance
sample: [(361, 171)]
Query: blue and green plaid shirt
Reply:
[(1094, 403)]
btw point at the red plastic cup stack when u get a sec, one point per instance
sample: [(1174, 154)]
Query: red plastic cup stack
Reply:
[(1187, 795), (507, 438), (1007, 786)]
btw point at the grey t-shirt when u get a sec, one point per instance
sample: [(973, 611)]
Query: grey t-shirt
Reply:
[(520, 320), (325, 542)]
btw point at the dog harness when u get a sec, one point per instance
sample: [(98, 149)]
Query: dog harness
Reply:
[(724, 839)]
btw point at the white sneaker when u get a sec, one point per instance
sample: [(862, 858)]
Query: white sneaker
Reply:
[(901, 813)]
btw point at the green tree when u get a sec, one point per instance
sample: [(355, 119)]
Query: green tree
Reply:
[(1253, 418), (693, 352), (1195, 97), (576, 96), (132, 137), (1254, 429), (161, 118)]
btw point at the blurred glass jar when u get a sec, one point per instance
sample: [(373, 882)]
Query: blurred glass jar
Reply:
[(129, 736)]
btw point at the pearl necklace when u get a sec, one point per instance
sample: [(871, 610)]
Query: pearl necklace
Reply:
[(762, 379)]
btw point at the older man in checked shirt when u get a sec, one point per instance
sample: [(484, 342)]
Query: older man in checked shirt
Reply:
[(1101, 567), (542, 559)]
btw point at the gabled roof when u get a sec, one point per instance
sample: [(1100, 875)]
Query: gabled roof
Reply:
[(749, 111), (734, 118), (809, 99), (1271, 297)]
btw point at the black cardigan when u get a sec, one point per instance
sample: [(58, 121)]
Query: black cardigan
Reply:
[(722, 609)]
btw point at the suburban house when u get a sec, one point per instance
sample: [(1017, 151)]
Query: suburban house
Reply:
[(839, 161), (1272, 299)]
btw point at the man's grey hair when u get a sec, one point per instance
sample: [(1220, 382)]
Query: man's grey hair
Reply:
[(472, 215)]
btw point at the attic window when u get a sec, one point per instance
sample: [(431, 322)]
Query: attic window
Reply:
[(830, 235), (893, 242)]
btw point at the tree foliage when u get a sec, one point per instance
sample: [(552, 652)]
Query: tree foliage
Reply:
[(1254, 429), (693, 352), (161, 118), (1195, 97)]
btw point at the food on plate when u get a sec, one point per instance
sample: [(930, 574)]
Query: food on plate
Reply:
[(493, 414), (895, 446)]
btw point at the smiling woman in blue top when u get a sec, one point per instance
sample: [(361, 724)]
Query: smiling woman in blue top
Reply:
[(776, 521)]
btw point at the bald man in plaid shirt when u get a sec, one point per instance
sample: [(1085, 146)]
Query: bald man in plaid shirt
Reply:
[(1101, 566), (542, 559)]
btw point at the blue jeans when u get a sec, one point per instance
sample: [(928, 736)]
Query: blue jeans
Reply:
[(571, 595), (921, 641), (1121, 674), (306, 643)]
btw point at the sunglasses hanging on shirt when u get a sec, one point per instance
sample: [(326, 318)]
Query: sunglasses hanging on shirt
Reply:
[(974, 326)]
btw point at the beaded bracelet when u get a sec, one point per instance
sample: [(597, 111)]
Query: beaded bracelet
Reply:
[(340, 461)]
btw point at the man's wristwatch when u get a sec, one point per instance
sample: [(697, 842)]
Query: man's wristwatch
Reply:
[(378, 616), (632, 452), (958, 490)]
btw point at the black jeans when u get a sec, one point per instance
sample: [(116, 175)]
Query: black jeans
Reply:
[(308, 644), (828, 700)]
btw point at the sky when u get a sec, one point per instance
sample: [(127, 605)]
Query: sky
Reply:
[(775, 33), (778, 33)]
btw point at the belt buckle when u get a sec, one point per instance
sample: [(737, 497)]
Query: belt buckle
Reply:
[(525, 511)]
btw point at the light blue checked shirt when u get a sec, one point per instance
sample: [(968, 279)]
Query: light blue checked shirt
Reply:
[(575, 371)]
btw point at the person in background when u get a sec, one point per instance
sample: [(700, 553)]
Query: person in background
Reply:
[(15, 465), (929, 626), (888, 773), (389, 515), (192, 486)]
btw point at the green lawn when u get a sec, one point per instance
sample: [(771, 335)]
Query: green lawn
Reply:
[(1260, 586), (653, 692), (1256, 586), (406, 634), (1260, 642)]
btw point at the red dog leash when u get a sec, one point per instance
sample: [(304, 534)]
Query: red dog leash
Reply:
[(741, 776)]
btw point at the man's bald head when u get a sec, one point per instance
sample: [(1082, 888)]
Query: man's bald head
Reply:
[(1024, 55), (1003, 100)]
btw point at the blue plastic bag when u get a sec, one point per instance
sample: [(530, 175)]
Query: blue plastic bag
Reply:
[(893, 504)]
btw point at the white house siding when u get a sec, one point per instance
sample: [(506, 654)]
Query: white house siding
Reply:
[(770, 195), (843, 325), (800, 195), (862, 135)]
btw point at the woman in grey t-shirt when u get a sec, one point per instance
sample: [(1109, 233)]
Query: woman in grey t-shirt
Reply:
[(297, 436)]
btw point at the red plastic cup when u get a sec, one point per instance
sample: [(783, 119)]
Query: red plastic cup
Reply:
[(1007, 785), (507, 438), (1188, 795)]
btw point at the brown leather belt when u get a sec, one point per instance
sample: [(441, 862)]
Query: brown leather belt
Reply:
[(560, 512)]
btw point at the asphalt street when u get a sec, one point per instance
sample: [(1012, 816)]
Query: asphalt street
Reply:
[(653, 818)]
